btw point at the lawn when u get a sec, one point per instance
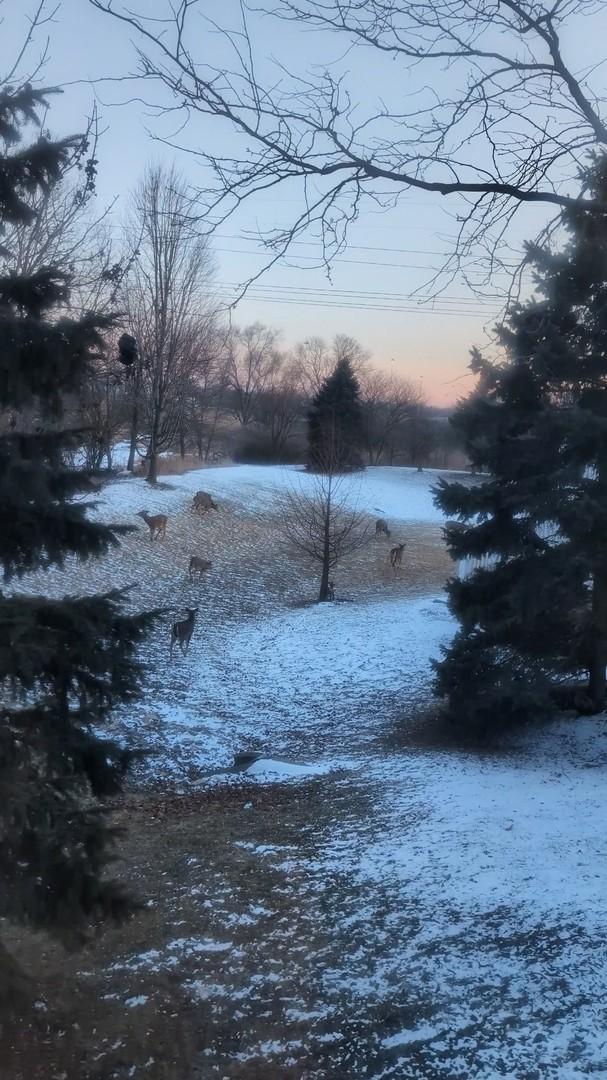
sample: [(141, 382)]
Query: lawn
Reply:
[(358, 904)]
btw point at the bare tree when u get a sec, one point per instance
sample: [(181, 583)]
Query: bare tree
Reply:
[(280, 406), (167, 300), (315, 360), (494, 116), (206, 392), (419, 437), (388, 405), (322, 524), (345, 347), (253, 362), (101, 412), (314, 363)]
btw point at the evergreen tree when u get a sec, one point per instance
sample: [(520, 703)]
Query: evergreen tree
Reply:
[(534, 616), (64, 663), (335, 423)]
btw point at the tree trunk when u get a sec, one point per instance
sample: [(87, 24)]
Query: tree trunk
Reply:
[(108, 451), (326, 555), (597, 682), (152, 475), (133, 436), (181, 444), (324, 581)]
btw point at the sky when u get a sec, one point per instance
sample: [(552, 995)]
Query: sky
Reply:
[(390, 253)]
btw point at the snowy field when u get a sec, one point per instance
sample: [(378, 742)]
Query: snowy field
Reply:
[(399, 494), (432, 914)]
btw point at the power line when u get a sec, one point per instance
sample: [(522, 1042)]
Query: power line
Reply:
[(334, 294), (413, 310), (334, 261), (351, 247)]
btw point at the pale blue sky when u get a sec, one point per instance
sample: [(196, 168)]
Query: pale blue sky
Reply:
[(389, 253)]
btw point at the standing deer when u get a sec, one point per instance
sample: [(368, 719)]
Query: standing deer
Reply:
[(396, 555), (331, 591), (181, 632), (198, 565), (381, 528), (156, 523), (203, 501)]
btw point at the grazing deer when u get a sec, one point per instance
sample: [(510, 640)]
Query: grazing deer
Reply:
[(181, 632), (156, 523), (198, 565), (203, 501), (396, 555), (381, 528)]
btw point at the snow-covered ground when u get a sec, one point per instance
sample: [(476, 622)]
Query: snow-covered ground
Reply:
[(398, 494), (448, 919)]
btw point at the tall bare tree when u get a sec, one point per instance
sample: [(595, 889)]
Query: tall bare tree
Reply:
[(389, 404), (495, 114), (167, 298), (253, 362)]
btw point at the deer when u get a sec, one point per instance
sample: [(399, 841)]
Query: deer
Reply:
[(156, 523), (381, 528), (181, 632), (198, 565), (203, 501), (331, 590), (396, 555)]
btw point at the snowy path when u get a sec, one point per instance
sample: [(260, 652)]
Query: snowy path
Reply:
[(411, 914)]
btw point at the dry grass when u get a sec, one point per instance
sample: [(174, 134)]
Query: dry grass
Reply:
[(180, 851), (175, 465)]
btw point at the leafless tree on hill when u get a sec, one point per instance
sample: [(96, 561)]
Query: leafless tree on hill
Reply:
[(511, 126), (322, 523)]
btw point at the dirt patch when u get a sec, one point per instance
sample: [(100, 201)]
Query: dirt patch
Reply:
[(207, 969)]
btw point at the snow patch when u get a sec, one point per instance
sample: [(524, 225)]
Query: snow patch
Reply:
[(284, 770)]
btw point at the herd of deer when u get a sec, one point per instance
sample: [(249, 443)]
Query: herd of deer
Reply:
[(181, 631), (396, 553)]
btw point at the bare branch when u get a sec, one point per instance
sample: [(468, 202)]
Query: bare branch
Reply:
[(512, 128)]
